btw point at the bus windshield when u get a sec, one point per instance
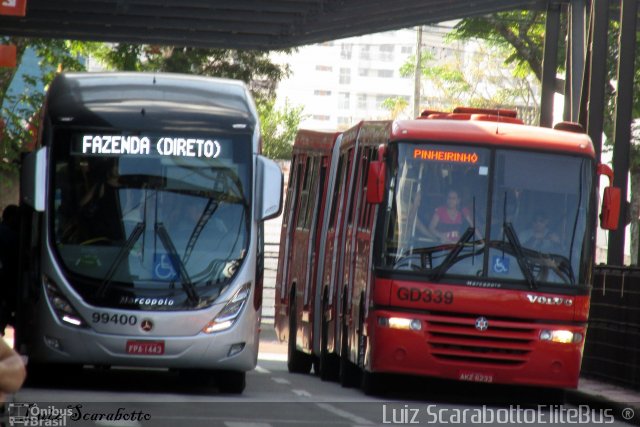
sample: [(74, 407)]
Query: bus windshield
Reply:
[(517, 220), (163, 215)]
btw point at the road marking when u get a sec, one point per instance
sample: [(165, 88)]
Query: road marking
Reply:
[(245, 424), (344, 414), (272, 357), (280, 380), (261, 370), (107, 423), (301, 393)]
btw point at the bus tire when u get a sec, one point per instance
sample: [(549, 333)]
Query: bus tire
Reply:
[(347, 373), (297, 361), (371, 383), (231, 382), (328, 363), (196, 377), (552, 396), (47, 373)]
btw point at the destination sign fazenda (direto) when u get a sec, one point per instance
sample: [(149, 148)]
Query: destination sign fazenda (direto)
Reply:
[(164, 146)]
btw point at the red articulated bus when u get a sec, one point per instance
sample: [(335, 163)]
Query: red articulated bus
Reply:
[(457, 245)]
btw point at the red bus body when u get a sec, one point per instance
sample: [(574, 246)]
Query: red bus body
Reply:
[(357, 294), (300, 239)]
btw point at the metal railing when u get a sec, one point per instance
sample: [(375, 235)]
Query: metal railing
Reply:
[(612, 347)]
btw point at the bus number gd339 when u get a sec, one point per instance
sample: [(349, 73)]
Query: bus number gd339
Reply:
[(425, 295), (116, 319)]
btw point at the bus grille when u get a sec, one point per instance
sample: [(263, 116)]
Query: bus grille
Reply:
[(455, 338)]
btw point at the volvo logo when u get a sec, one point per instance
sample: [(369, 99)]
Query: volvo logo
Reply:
[(482, 324), (147, 325), (539, 299)]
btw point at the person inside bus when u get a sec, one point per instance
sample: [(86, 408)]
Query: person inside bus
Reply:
[(9, 229), (449, 221), (539, 236), (100, 206)]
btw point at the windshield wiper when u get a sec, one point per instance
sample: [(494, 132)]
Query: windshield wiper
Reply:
[(520, 256), (208, 211), (124, 251), (185, 280), (452, 255)]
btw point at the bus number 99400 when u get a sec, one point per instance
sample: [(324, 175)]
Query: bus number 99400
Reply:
[(118, 319)]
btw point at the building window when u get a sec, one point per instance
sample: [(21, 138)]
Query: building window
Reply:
[(362, 101), (380, 99), (322, 92), (363, 72), (386, 52), (343, 121), (324, 68), (365, 52), (385, 73), (345, 76), (321, 117), (406, 50), (345, 51), (344, 100)]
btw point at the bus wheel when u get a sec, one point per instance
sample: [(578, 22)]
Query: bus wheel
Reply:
[(233, 382), (196, 377), (328, 365), (370, 383), (46, 373), (347, 373), (297, 361)]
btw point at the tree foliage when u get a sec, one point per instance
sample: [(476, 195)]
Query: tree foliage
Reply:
[(251, 66), (20, 110), (255, 68), (279, 127), (396, 105), (522, 33), (477, 81)]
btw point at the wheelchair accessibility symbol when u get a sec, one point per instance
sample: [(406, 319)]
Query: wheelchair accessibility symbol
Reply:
[(500, 265), (163, 267)]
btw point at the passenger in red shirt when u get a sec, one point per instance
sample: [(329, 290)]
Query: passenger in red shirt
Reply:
[(449, 221)]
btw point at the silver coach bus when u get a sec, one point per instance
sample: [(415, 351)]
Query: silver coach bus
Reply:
[(142, 240)]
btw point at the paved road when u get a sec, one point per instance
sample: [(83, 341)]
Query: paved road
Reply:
[(273, 397)]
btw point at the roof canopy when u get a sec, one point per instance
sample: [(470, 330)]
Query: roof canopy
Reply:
[(237, 24)]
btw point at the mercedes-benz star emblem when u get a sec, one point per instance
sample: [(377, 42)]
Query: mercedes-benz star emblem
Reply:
[(482, 324), (147, 325)]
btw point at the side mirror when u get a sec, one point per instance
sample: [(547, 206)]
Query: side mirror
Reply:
[(610, 212), (611, 201), (33, 179), (269, 184), (375, 182)]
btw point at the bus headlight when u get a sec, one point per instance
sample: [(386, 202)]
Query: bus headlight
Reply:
[(560, 336), (61, 305), (229, 314), (400, 323)]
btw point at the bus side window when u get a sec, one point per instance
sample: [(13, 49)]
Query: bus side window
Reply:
[(335, 202), (304, 195), (365, 208)]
